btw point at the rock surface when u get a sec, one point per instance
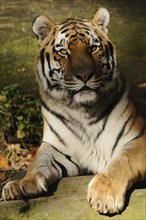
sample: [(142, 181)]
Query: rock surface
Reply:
[(68, 202)]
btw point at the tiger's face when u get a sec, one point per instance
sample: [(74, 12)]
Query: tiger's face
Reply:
[(76, 59)]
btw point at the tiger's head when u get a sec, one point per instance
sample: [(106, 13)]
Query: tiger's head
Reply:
[(76, 59)]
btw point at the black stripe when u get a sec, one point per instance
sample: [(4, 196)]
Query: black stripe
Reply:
[(53, 41), (82, 39), (73, 36), (57, 135), (42, 61), (121, 132), (67, 35), (107, 51), (103, 127), (67, 157), (67, 23), (63, 169), (54, 50), (112, 53), (53, 165), (57, 70), (116, 97), (62, 119), (58, 45), (39, 78), (59, 116), (125, 109), (132, 123), (139, 135), (82, 35), (43, 65), (48, 60), (83, 28), (79, 125), (108, 56), (108, 104), (111, 48), (65, 30), (100, 38)]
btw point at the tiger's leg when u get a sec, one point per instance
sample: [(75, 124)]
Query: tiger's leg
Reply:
[(48, 167), (107, 190)]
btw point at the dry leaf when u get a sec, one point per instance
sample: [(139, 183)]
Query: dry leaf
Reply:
[(4, 163), (34, 151), (2, 176)]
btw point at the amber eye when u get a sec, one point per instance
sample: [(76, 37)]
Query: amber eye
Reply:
[(93, 48), (63, 52)]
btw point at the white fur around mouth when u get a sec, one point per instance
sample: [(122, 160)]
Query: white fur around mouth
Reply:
[(86, 96)]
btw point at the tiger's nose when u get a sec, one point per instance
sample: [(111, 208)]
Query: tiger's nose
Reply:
[(84, 76)]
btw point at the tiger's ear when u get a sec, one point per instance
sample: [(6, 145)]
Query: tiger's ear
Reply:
[(41, 26), (102, 18)]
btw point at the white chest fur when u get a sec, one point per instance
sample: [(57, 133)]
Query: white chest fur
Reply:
[(89, 144)]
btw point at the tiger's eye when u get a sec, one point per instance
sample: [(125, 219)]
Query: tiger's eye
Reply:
[(93, 48), (63, 52)]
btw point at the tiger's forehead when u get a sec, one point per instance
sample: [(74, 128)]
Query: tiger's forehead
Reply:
[(74, 29)]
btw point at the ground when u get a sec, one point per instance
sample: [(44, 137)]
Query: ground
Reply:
[(69, 203)]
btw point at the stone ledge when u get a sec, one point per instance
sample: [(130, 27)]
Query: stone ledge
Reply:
[(69, 202)]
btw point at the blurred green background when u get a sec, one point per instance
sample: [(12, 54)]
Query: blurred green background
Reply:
[(18, 45)]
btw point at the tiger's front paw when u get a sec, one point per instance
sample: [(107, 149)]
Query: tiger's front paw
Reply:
[(105, 195), (25, 188)]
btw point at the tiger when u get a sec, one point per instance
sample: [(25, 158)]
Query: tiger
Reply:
[(90, 124)]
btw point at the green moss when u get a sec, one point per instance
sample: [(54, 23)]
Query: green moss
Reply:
[(69, 203)]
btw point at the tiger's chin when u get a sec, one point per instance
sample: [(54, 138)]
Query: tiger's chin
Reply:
[(80, 98), (86, 98)]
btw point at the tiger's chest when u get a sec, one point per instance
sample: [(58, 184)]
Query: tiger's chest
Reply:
[(89, 142)]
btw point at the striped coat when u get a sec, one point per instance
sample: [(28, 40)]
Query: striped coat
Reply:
[(90, 123)]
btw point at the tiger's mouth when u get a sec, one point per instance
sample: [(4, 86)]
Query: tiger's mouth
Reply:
[(84, 89), (85, 96)]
